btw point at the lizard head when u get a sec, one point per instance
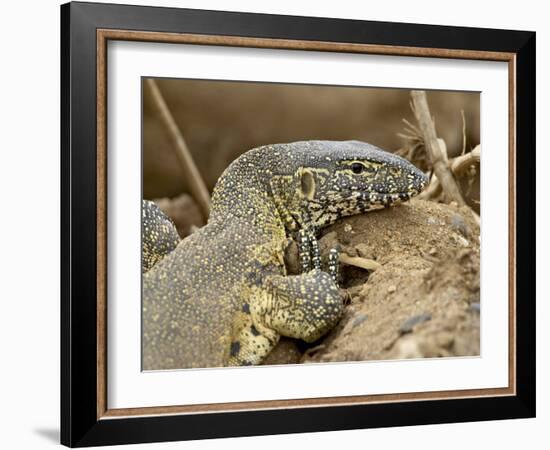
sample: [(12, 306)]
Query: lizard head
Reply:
[(340, 179)]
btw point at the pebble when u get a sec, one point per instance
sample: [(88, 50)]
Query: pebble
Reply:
[(436, 221), (411, 322), (359, 320), (460, 240), (459, 224), (392, 289)]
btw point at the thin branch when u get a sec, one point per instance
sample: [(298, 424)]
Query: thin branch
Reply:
[(406, 136), (443, 148), (432, 191), (463, 132), (196, 184), (433, 147), (462, 163), (412, 127), (357, 261)]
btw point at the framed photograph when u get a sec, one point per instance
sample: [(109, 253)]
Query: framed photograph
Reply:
[(277, 224)]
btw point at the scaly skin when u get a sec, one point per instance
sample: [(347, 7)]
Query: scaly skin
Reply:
[(223, 296), (159, 235)]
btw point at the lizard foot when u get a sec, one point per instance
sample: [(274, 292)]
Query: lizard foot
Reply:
[(302, 306)]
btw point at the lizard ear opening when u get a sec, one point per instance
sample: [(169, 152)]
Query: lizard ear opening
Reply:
[(307, 184)]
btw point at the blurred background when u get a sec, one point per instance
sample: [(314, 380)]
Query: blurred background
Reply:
[(220, 120)]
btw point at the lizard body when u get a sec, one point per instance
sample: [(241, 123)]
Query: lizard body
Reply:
[(222, 296)]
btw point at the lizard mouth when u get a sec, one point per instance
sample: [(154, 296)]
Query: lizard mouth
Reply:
[(350, 202), (385, 199), (371, 200)]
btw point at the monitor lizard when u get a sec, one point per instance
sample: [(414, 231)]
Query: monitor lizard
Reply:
[(222, 296)]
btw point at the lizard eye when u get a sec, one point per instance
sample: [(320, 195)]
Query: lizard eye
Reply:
[(357, 168)]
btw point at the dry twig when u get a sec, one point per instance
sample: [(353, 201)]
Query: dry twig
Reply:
[(414, 150), (197, 185), (463, 132), (434, 149), (461, 163), (357, 261)]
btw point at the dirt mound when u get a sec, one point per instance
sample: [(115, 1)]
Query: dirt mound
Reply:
[(422, 301)]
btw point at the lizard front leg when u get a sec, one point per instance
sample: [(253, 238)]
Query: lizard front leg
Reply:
[(310, 255), (304, 251), (308, 251)]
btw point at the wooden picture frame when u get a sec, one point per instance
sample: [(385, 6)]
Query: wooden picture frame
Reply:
[(85, 417)]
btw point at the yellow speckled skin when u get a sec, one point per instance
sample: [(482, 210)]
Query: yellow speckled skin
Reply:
[(159, 235), (223, 297)]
